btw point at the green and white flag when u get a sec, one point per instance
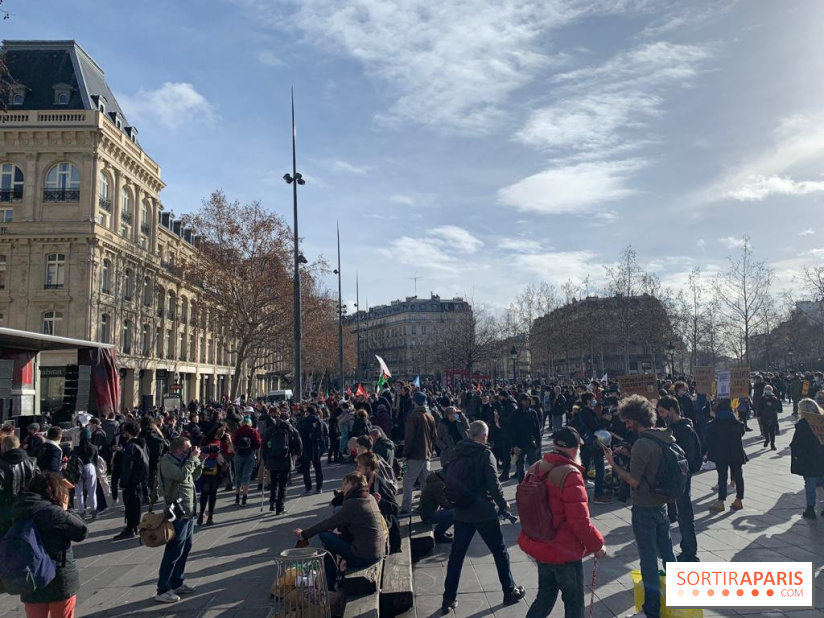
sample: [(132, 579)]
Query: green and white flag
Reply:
[(385, 373)]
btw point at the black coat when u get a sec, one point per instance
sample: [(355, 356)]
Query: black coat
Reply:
[(311, 450), (50, 458), (724, 444), (58, 529), (488, 493), (16, 470), (806, 451), (283, 464), (526, 429)]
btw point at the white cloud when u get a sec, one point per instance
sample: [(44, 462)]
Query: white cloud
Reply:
[(421, 253), (343, 167), (172, 105), (404, 200), (269, 58), (558, 267), (732, 242), (519, 245), (758, 188), (573, 189), (808, 232), (689, 18), (457, 238), (448, 65)]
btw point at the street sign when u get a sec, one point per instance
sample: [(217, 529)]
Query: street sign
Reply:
[(161, 374), (175, 387), (739, 382), (703, 379), (645, 385)]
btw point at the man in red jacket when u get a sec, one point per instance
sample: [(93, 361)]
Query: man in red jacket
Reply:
[(560, 565)]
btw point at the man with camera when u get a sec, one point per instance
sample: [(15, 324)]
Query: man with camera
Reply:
[(178, 470)]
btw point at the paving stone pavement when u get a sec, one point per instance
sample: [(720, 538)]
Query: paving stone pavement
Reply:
[(231, 564)]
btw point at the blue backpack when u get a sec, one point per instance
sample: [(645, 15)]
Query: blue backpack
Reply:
[(24, 564)]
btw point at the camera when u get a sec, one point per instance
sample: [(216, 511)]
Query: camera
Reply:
[(173, 511)]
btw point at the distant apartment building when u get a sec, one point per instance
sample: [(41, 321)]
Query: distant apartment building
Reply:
[(86, 248), (403, 333)]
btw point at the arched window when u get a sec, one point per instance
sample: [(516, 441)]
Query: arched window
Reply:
[(62, 99), (126, 215), (126, 342), (161, 301), (104, 199), (62, 184), (128, 284), (148, 292), (193, 314), (184, 309), (55, 271), (146, 341), (106, 277), (170, 313), (51, 322), (11, 182), (105, 328)]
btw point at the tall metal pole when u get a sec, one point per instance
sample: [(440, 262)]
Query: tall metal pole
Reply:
[(357, 304), (298, 377), (340, 319)]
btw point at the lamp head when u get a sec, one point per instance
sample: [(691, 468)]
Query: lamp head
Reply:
[(288, 178)]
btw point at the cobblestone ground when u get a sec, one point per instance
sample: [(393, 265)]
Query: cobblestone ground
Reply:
[(231, 562)]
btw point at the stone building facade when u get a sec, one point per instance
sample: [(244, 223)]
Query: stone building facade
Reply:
[(86, 248)]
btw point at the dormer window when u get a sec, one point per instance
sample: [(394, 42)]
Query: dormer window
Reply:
[(18, 95), (62, 94), (99, 101)]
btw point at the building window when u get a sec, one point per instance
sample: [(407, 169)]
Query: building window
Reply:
[(55, 271), (192, 357), (104, 199), (62, 98), (106, 277), (6, 215), (161, 301), (145, 341), (184, 309), (170, 313), (169, 343), (11, 182), (2, 272), (105, 328), (51, 322), (145, 226), (126, 343), (159, 342), (62, 184), (18, 95), (128, 284), (181, 346), (147, 292), (126, 215)]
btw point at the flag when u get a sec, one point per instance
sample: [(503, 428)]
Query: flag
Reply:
[(349, 391), (360, 392), (417, 382), (605, 378), (384, 368)]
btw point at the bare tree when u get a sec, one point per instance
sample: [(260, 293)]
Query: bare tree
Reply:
[(743, 290), (625, 279), (812, 277)]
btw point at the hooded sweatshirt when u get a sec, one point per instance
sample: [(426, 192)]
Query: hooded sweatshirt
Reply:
[(644, 462)]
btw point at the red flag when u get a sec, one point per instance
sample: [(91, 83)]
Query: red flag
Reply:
[(349, 390), (360, 392)]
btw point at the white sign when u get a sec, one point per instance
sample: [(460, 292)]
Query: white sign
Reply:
[(723, 378)]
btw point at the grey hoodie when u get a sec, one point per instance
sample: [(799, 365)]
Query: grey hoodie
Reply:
[(644, 462)]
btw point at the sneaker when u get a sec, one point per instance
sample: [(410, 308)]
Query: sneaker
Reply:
[(126, 534), (237, 499), (602, 500), (809, 513), (766, 443), (308, 491), (445, 538), (318, 491), (447, 607), (737, 505), (772, 447), (184, 589), (717, 507), (514, 595), (167, 597), (271, 508)]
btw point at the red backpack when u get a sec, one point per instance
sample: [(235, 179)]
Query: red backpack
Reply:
[(532, 498)]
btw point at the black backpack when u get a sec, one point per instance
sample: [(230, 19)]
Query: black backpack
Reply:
[(140, 464), (673, 470), (278, 444), (244, 446), (460, 482), (316, 432)]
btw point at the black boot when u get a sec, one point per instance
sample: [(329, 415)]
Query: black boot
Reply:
[(243, 501), (237, 499)]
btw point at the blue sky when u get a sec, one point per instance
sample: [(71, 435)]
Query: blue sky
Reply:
[(482, 144)]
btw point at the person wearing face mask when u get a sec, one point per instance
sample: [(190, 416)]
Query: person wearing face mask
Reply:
[(682, 393)]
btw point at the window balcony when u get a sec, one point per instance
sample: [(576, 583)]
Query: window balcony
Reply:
[(9, 195), (160, 313), (53, 286), (61, 195), (106, 290), (105, 204), (126, 217), (167, 265)]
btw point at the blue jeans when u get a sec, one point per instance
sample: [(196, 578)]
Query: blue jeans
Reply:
[(569, 580), (533, 455), (810, 483), (686, 522), (442, 520), (490, 532), (244, 465), (652, 535), (340, 547), (174, 556)]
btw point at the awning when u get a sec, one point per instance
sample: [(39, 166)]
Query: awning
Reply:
[(13, 339)]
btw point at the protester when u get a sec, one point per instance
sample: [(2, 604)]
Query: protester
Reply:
[(726, 449), (216, 447), (85, 489), (526, 434), (560, 562), (314, 434), (449, 433), (46, 502), (769, 407), (16, 470), (435, 508), (383, 446), (419, 441), (33, 441), (807, 452), (478, 478), (134, 471), (280, 443), (247, 442), (50, 457), (360, 518), (179, 469), (384, 491), (650, 524)]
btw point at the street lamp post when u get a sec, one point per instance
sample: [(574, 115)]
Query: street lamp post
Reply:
[(296, 179), (513, 353), (340, 319), (790, 353), (671, 350)]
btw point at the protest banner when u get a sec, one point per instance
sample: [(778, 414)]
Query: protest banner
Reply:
[(703, 379), (740, 382), (723, 380), (645, 385)]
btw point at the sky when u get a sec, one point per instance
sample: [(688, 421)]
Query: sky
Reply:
[(480, 145)]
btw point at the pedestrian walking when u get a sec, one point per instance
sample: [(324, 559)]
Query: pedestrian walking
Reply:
[(769, 408), (560, 561), (807, 452), (280, 443), (726, 449), (134, 471), (650, 524), (418, 448), (247, 443), (178, 471), (85, 489), (526, 424), (215, 447), (473, 476), (314, 434)]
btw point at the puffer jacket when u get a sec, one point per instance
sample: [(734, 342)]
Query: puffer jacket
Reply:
[(806, 450), (576, 536), (16, 470), (488, 493), (178, 479), (420, 435), (58, 530)]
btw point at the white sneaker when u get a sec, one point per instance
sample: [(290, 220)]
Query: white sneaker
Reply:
[(167, 597)]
